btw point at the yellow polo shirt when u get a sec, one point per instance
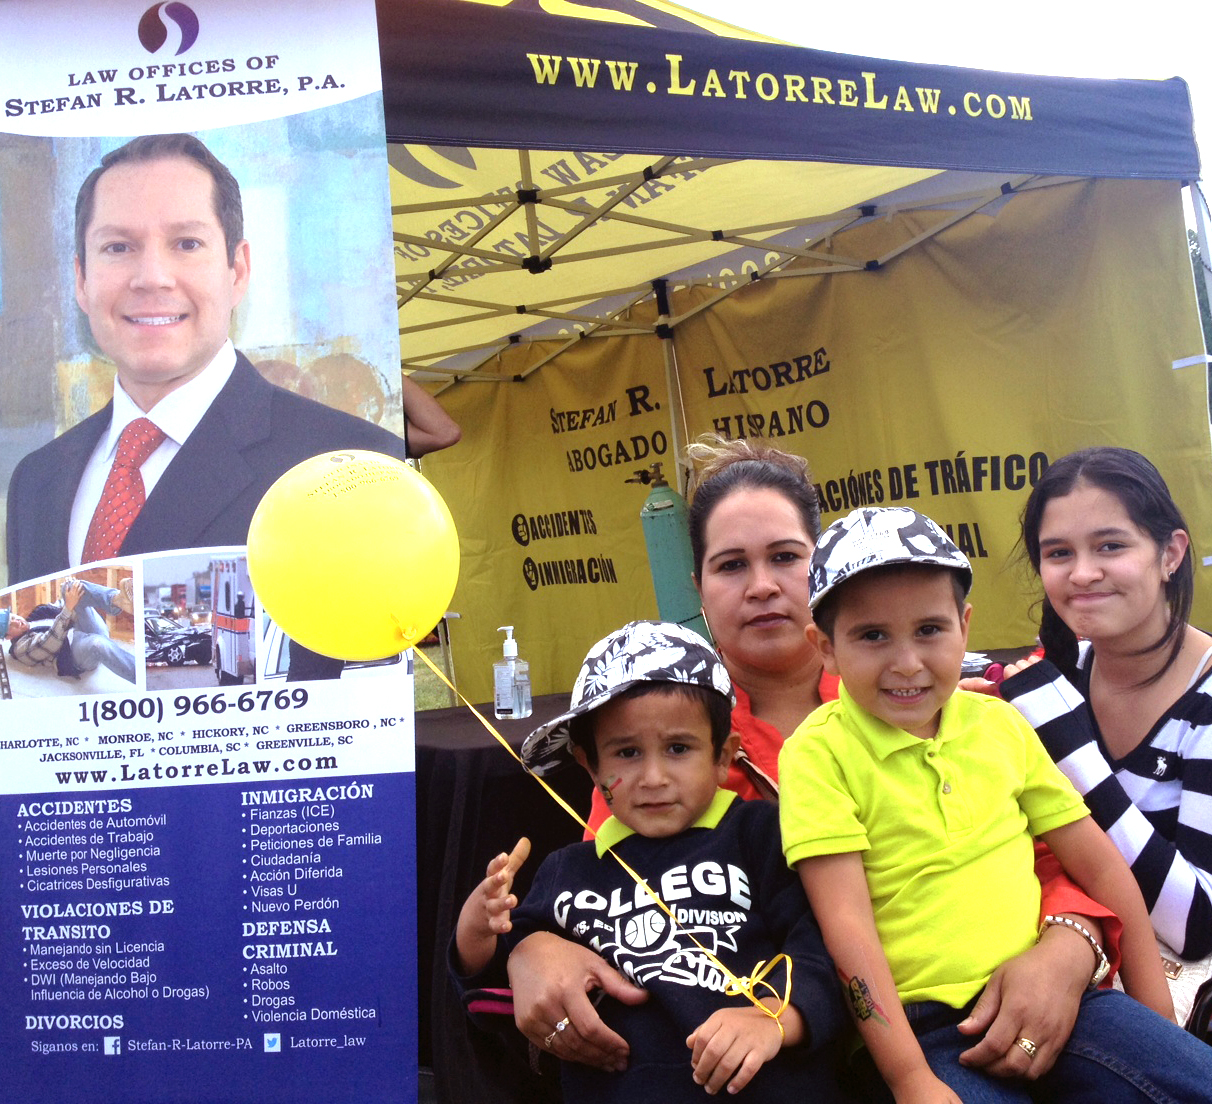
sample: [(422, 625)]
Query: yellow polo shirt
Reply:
[(945, 828)]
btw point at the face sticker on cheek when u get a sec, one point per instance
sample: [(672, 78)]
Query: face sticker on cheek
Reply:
[(607, 788)]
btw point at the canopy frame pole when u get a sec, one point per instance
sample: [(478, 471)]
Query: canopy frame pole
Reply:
[(1199, 204), (679, 430)]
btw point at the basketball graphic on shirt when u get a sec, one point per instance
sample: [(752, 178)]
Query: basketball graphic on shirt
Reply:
[(645, 930)]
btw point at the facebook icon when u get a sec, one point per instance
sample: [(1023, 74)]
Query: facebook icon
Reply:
[(111, 1044)]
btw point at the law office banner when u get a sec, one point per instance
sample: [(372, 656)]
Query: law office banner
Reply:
[(546, 495), (946, 380), (562, 79), (949, 379), (208, 883)]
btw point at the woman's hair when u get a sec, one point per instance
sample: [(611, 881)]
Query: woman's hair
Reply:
[(746, 464), (1146, 499)]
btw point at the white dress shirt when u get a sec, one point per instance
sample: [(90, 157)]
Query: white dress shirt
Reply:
[(177, 415)]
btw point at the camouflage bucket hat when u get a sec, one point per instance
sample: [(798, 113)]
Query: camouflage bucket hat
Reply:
[(874, 537)]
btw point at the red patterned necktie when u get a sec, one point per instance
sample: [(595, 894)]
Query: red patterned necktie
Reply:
[(123, 496)]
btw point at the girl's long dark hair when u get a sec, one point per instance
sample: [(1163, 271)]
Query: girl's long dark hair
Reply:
[(1147, 501)]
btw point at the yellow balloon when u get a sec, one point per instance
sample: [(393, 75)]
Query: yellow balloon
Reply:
[(354, 554)]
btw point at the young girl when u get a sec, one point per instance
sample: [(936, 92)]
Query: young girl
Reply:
[(1123, 698)]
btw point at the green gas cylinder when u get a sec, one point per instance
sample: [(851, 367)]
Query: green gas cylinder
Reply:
[(663, 517)]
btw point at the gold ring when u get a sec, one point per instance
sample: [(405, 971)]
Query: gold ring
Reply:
[(1028, 1046), (558, 1028)]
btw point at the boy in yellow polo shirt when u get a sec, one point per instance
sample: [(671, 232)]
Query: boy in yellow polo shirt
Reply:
[(908, 809)]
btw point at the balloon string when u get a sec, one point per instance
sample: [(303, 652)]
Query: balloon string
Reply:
[(501, 739), (736, 986)]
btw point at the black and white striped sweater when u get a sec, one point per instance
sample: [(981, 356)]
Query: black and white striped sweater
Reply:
[(1155, 803)]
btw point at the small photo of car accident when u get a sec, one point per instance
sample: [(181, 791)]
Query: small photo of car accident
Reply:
[(166, 640), (199, 621), (70, 634)]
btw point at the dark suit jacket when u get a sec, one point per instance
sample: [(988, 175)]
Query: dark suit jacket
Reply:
[(252, 433)]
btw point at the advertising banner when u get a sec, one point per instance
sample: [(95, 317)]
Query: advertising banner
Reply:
[(546, 496), (947, 379), (208, 893), (616, 83)]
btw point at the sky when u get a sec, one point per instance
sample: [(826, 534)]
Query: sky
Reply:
[(1160, 39)]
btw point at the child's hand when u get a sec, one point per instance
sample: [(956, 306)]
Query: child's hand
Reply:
[(485, 913), (494, 892), (922, 1087), (730, 1046)]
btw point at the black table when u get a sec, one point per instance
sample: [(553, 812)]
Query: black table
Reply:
[(474, 801)]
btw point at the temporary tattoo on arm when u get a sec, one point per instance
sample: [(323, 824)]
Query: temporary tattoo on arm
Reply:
[(862, 1003)]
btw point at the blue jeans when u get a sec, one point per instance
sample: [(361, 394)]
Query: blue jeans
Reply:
[(91, 643), (1119, 1051)]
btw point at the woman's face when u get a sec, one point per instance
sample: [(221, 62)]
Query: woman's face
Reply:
[(754, 580), (1103, 574)]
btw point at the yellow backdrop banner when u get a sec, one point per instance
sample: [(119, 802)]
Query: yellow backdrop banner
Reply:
[(946, 379), (549, 525)]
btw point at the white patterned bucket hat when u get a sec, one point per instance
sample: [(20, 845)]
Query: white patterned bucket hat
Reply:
[(876, 537), (642, 651)]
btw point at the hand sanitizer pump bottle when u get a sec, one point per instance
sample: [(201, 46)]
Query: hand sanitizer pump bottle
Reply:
[(511, 682)]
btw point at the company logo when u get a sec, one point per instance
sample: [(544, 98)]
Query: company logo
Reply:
[(111, 1044), (272, 1043), (153, 32)]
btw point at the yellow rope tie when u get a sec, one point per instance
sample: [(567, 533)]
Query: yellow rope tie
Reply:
[(748, 986), (736, 986)]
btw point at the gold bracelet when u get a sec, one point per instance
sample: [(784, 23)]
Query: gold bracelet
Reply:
[(1101, 966)]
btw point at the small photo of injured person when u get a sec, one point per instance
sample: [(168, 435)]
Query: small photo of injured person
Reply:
[(70, 635)]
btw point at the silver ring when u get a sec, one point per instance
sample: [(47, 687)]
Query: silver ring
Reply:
[(1028, 1046), (549, 1040)]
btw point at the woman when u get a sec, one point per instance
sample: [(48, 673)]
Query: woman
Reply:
[(1127, 713), (754, 522)]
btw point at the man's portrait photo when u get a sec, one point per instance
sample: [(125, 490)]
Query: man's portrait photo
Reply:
[(166, 256)]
